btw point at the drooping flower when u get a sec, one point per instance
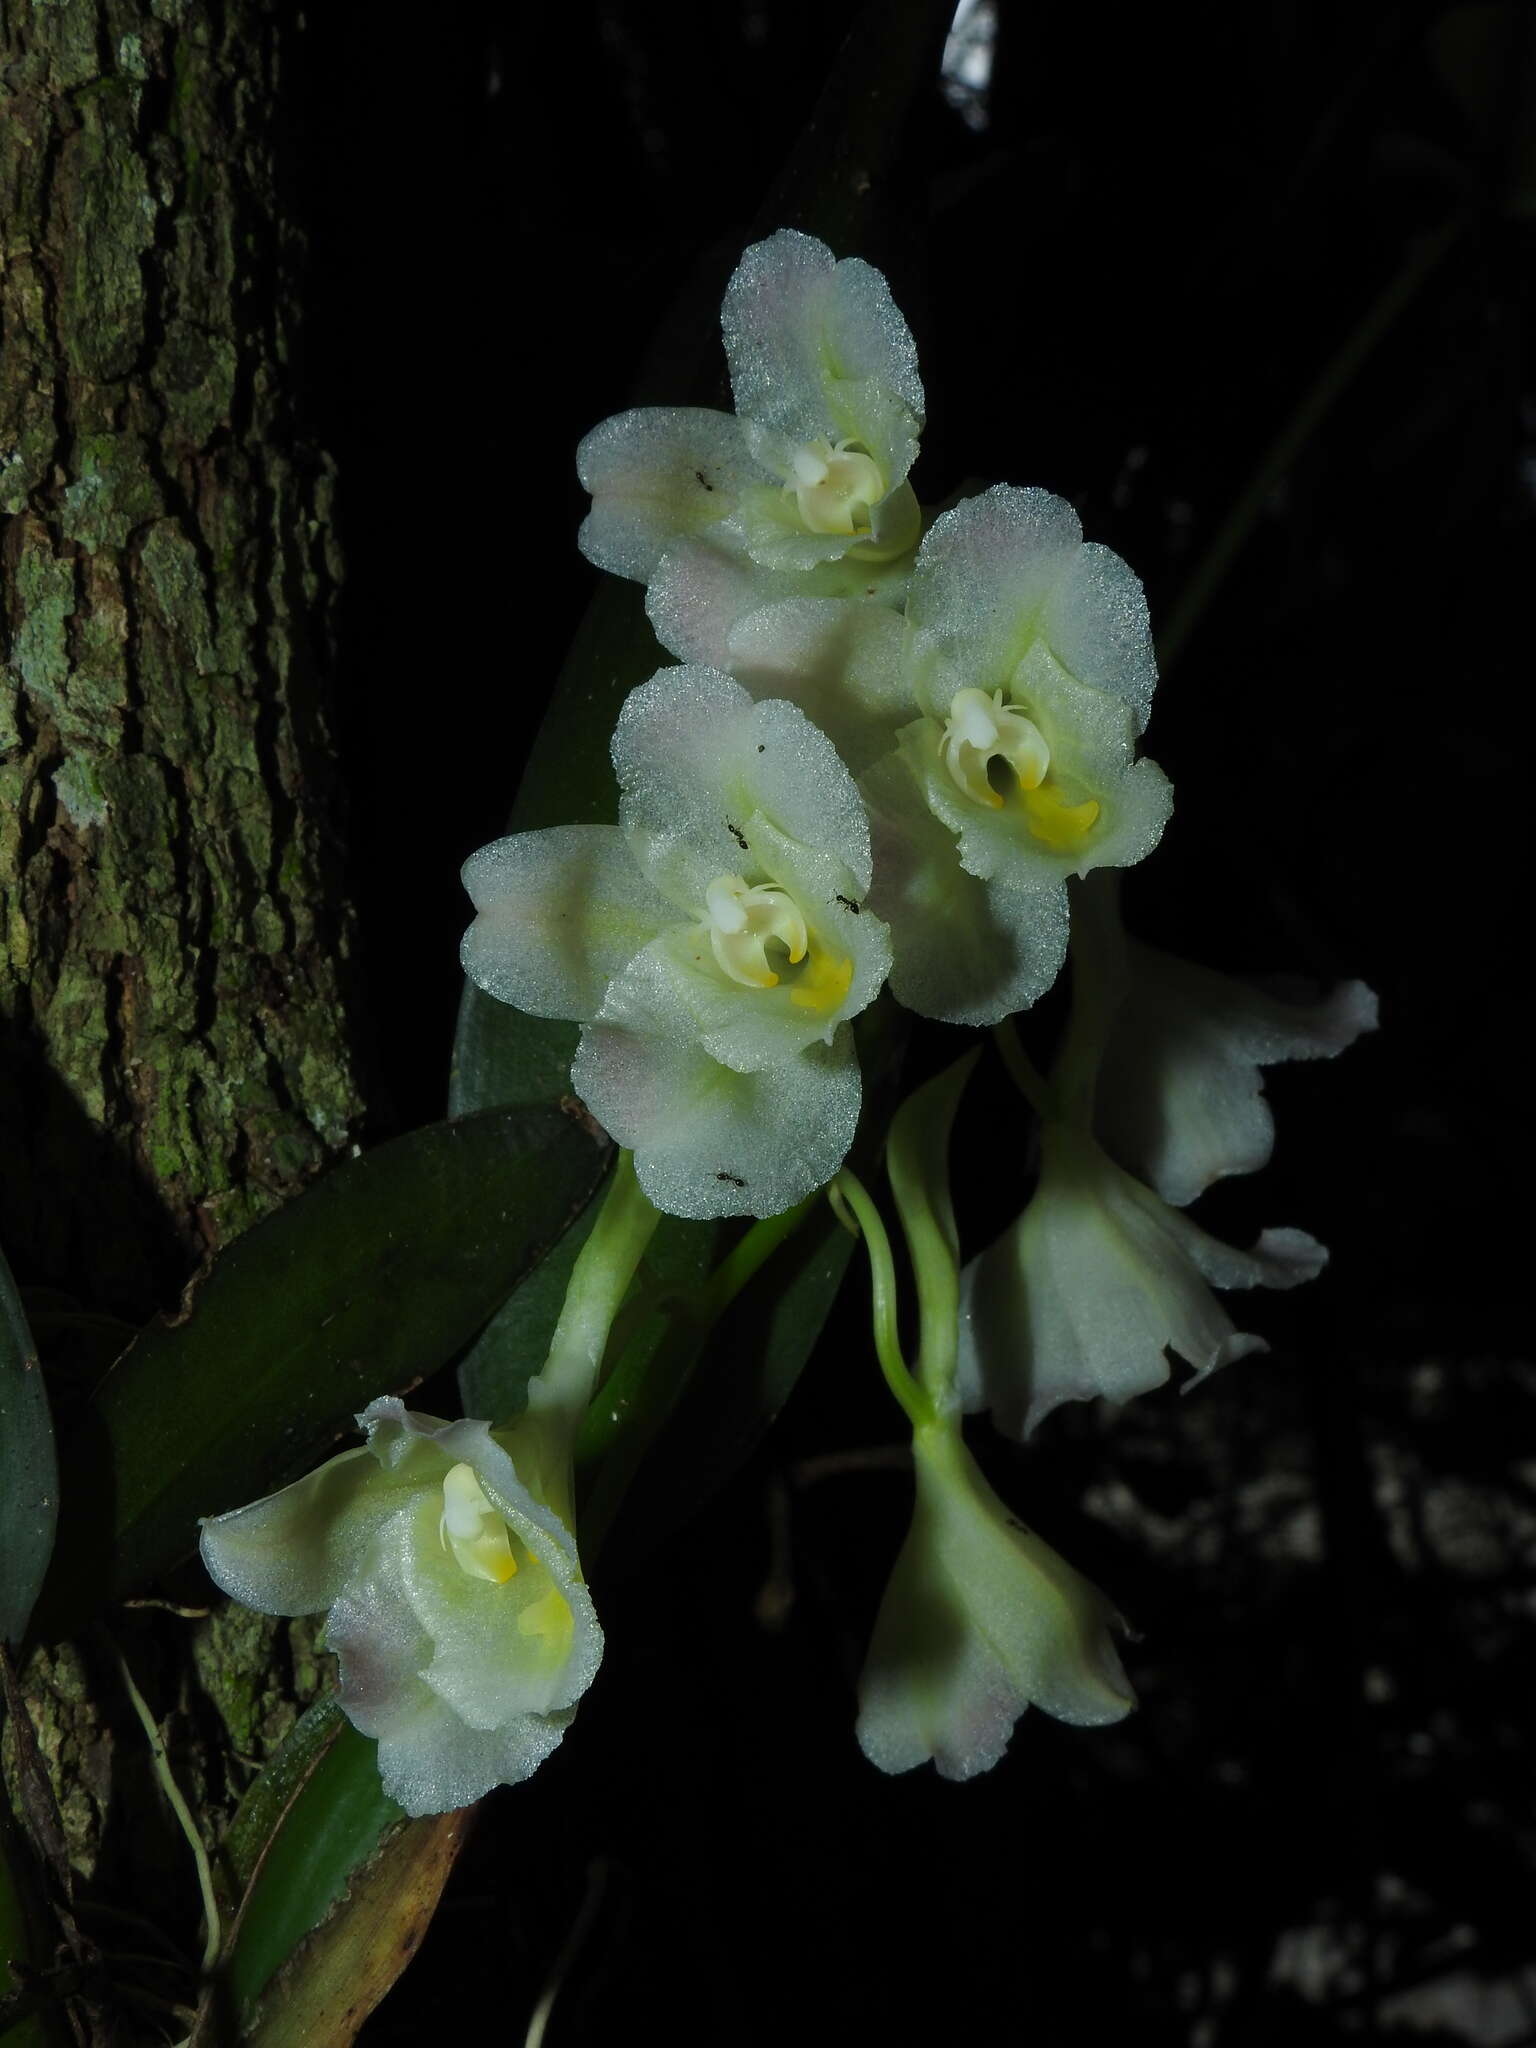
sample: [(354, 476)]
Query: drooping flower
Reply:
[(1179, 1097), (993, 733), (1083, 1294), (443, 1557), (981, 1619), (714, 945), (803, 489)]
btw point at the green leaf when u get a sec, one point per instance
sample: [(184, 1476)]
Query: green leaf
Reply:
[(315, 1815), (338, 1974), (366, 1284), (494, 1373), (29, 1482)]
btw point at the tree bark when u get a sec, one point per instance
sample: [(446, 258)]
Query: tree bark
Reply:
[(175, 1048), (174, 1055)]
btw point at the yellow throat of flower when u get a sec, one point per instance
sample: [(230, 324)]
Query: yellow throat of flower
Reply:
[(982, 729), (743, 918)]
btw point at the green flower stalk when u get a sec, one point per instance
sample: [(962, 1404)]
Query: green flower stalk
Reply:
[(981, 1619)]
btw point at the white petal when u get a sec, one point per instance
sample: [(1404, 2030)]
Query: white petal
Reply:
[(1095, 623), (1006, 572), (657, 475), (292, 1552), (965, 951), (702, 589), (430, 1759), (839, 661), (818, 348), (985, 572), (560, 913), (529, 1646), (708, 1141), (980, 1621), (1180, 1098), (1082, 1296), (430, 1762), (697, 760)]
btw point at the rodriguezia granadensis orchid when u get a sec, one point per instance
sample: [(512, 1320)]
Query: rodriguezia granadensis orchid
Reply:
[(886, 756), (993, 730), (802, 489), (714, 945)]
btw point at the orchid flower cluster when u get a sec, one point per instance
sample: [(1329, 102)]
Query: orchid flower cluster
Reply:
[(895, 751)]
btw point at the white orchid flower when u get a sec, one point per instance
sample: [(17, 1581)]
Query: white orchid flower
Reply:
[(1179, 1097), (714, 945), (980, 1620), (443, 1557), (1099, 1277), (993, 733), (803, 488)]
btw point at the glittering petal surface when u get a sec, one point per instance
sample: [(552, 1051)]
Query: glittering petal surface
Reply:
[(1180, 1097), (658, 475), (709, 1141), (965, 951), (292, 1552), (1080, 1297), (980, 1621), (1095, 623), (465, 1683), (984, 576), (703, 589), (697, 761), (560, 912), (817, 348), (840, 662)]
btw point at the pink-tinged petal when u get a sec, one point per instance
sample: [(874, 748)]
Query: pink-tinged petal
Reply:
[(658, 475), (559, 913)]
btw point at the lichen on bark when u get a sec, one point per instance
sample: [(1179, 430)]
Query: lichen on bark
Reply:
[(175, 1058), (176, 1052)]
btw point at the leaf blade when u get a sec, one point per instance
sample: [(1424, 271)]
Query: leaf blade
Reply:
[(375, 1277)]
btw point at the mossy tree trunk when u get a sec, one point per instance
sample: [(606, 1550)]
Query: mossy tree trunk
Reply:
[(175, 1056), (174, 1032)]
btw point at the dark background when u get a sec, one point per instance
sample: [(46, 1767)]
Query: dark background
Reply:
[(1123, 273)]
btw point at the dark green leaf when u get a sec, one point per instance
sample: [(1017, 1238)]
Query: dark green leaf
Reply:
[(331, 1983), (371, 1280), (494, 1375), (29, 1487), (316, 1814)]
